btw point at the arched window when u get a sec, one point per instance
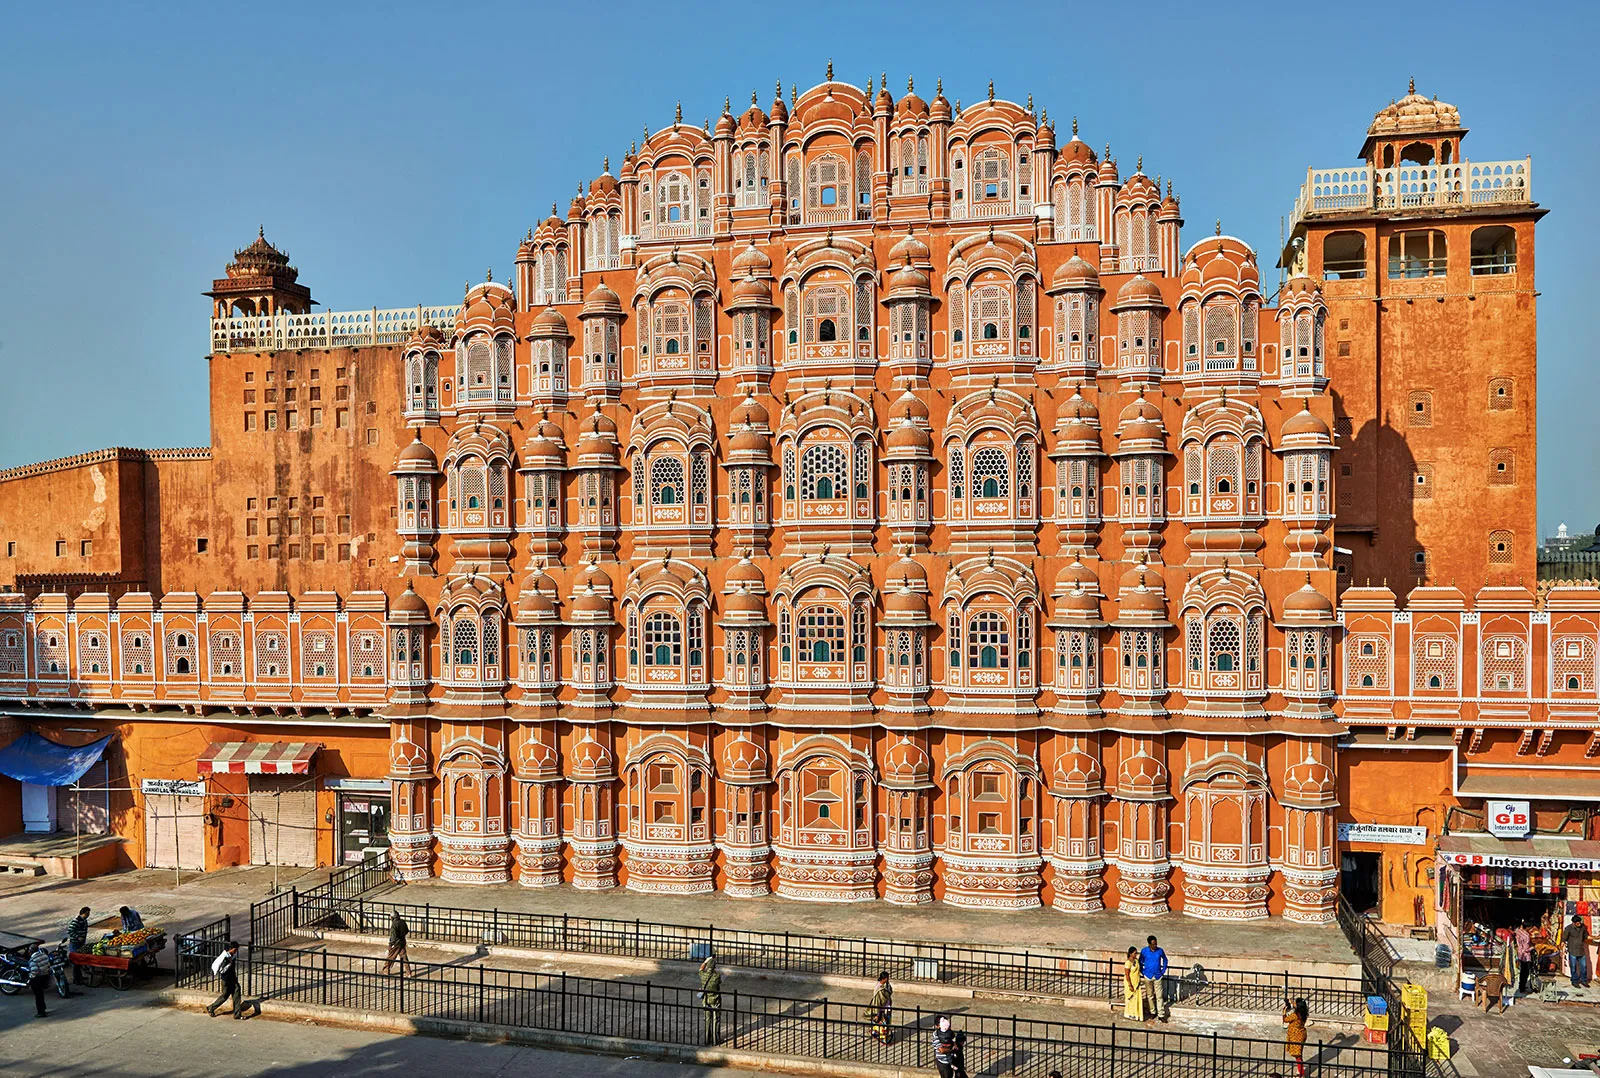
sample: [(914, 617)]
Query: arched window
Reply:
[(822, 472), (990, 473), (821, 633), (827, 330), (465, 641), (988, 642), (663, 640), (666, 481)]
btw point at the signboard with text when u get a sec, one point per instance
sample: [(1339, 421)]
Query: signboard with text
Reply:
[(1507, 860), (1388, 834), (180, 787), (1509, 819)]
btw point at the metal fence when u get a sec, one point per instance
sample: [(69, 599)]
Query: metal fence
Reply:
[(815, 1028), (977, 968), (193, 952), (1378, 961)]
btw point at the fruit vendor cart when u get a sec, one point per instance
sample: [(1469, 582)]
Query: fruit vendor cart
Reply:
[(118, 959)]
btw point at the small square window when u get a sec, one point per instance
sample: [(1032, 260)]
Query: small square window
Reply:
[(344, 551), (250, 504), (200, 545), (272, 503), (249, 376), (252, 552), (294, 550), (86, 548), (61, 548), (344, 525)]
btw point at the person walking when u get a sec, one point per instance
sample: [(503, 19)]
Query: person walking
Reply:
[(1575, 941), (1294, 1036), (1153, 966), (879, 1008), (77, 936), (39, 979), (1522, 939), (711, 998), (1132, 987), (398, 931), (958, 1056), (944, 1048), (226, 967)]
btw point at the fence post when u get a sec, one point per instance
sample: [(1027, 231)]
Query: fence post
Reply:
[(1319, 1057), (1014, 1056), (649, 1015), (825, 1028), (1027, 964), (294, 917), (564, 945), (494, 929), (916, 1034), (325, 978), (480, 995), (1286, 985), (427, 918), (787, 949), (735, 1042), (563, 1025), (1214, 1070)]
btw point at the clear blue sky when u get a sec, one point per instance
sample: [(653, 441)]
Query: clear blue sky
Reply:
[(396, 150)]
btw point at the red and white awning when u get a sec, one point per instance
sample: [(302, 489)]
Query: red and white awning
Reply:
[(258, 757)]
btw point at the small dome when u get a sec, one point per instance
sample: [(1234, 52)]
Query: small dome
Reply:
[(592, 574), (752, 261), (549, 323), (1079, 773), (1415, 114), (1220, 261), (410, 602), (1141, 422), (744, 759), (909, 406), (426, 335), (601, 301), (416, 457), (602, 187), (1310, 782), (1139, 186), (1076, 151), (1138, 291), (902, 599), (746, 573), (1077, 576), (907, 435), (545, 446), (1075, 272), (1306, 423), (591, 602), (908, 280), (909, 248), (533, 603), (750, 412), (745, 603), (535, 759), (907, 764), (1080, 603), (749, 440), (909, 108), (591, 761), (1307, 602), (489, 306), (726, 125), (749, 291), (907, 570), (1145, 597), (1142, 775)]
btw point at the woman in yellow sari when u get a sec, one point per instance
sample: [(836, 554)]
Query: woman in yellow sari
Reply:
[(1132, 987)]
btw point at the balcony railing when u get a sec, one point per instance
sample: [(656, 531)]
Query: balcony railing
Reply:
[(325, 329), (1462, 183)]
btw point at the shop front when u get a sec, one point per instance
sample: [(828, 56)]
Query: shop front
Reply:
[(1489, 886), (363, 814), (278, 793)]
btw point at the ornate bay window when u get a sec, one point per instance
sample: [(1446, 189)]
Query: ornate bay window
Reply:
[(991, 446), (824, 634), (422, 375), (990, 611), (671, 445), (825, 439), (667, 783), (825, 841), (665, 611), (991, 848)]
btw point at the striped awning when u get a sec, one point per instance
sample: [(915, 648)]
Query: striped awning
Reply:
[(258, 757)]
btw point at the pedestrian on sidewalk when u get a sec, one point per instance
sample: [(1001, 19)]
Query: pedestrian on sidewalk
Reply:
[(226, 968), (880, 1007), (77, 936), (1132, 987), (711, 998), (1523, 940), (958, 1057), (1294, 1037), (1153, 966), (944, 1048), (398, 931), (39, 979), (1575, 941)]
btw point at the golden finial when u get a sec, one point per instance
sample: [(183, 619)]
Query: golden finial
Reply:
[(705, 124), (777, 90), (911, 84), (677, 115), (991, 90), (1108, 152), (958, 108), (646, 132), (869, 87), (752, 97), (1411, 86), (530, 234), (488, 275), (633, 148), (1044, 117), (1169, 188), (552, 208), (605, 165), (938, 86), (794, 95), (1030, 104), (1138, 164), (1074, 127), (830, 70), (1219, 226), (727, 105)]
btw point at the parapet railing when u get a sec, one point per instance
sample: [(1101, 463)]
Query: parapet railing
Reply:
[(1459, 184), (326, 329)]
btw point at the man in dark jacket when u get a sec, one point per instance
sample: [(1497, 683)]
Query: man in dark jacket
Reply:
[(711, 998), (1576, 941), (398, 931), (78, 940)]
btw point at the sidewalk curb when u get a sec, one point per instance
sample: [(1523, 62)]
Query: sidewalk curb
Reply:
[(831, 980), (405, 1025)]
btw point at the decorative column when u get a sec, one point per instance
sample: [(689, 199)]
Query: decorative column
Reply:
[(592, 838), (747, 855), (908, 848), (1079, 869), (536, 770)]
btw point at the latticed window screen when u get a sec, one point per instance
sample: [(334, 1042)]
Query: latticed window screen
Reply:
[(672, 328), (991, 174), (1222, 468), (821, 634), (1026, 306), (1222, 331), (827, 174), (822, 472), (1191, 338), (227, 658), (988, 642), (826, 303), (272, 653), (1504, 664), (989, 473), (666, 481), (317, 654), (1572, 664), (663, 640), (1025, 469), (858, 632), (703, 324), (990, 313), (863, 468), (864, 180), (366, 653), (1194, 642), (956, 470), (1433, 663), (464, 641), (701, 477), (1502, 468), (1502, 394), (1224, 645), (1500, 552), (864, 306)]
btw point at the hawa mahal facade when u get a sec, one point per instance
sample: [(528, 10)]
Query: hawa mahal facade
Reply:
[(851, 499)]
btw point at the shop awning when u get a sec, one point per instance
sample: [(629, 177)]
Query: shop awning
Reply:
[(41, 762), (1541, 851), (258, 757)]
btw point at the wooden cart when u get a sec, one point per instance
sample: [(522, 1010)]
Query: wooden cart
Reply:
[(119, 968)]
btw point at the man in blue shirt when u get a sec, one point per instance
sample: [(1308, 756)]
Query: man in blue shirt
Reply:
[(1153, 965)]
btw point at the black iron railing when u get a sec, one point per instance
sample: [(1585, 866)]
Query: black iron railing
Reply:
[(978, 968), (814, 1028), (193, 952)]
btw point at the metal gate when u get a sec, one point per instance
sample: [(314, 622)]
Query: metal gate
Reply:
[(283, 820), (174, 831)]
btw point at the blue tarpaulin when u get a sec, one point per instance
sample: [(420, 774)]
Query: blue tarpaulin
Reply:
[(37, 760)]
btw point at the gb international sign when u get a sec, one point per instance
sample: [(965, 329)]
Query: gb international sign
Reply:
[(1509, 819)]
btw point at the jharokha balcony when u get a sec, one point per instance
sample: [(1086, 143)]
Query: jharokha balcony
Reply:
[(1364, 188)]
